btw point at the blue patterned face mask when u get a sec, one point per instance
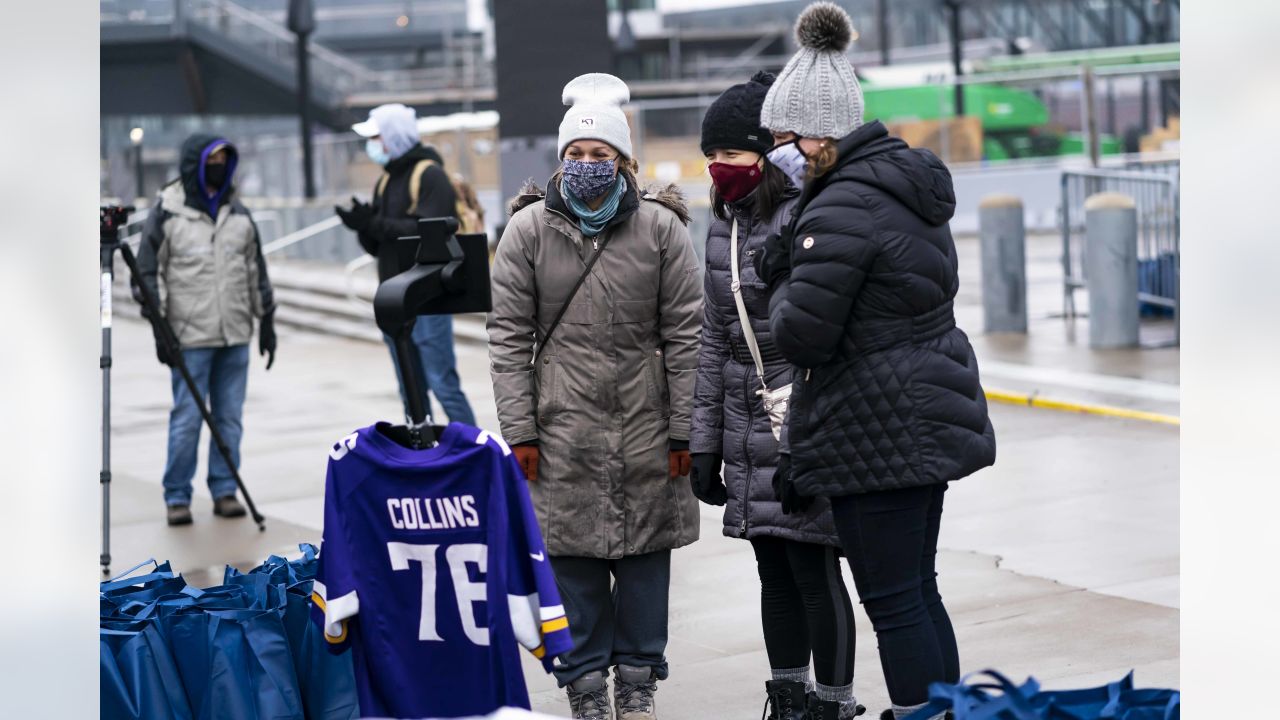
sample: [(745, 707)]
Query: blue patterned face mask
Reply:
[(590, 180)]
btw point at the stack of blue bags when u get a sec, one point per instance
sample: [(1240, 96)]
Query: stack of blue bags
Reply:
[(988, 695), (244, 650)]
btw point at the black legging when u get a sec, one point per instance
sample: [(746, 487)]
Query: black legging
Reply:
[(805, 609), (891, 540)]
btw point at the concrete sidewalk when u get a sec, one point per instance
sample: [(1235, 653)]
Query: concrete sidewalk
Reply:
[(1054, 358), (1061, 561)]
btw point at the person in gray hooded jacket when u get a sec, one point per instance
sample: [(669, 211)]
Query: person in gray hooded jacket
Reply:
[(804, 605), (202, 258), (597, 407)]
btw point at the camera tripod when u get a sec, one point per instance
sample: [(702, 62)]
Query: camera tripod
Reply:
[(111, 219)]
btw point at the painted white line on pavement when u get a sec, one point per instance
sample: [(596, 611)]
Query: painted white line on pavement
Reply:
[(1092, 382)]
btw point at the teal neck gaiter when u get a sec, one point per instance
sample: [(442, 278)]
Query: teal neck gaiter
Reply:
[(591, 222)]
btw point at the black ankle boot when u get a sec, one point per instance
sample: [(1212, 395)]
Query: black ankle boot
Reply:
[(818, 709), (786, 700)]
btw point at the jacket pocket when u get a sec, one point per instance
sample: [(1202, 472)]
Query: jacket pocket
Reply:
[(659, 395), (548, 389)]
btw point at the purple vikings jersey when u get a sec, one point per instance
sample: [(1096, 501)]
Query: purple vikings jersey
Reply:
[(432, 569)]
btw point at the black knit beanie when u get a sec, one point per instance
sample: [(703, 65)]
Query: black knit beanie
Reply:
[(733, 120)]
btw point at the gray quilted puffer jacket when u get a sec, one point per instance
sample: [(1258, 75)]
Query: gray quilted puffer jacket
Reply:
[(728, 417)]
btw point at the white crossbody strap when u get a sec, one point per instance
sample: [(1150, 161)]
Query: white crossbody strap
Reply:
[(747, 333)]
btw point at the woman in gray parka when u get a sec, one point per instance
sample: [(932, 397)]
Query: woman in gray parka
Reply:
[(596, 407), (804, 604)]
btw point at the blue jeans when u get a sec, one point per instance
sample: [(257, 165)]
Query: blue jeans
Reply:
[(221, 375), (433, 334)]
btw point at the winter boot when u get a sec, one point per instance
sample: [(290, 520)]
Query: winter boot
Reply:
[(228, 506), (178, 515), (786, 699), (819, 709), (589, 697), (633, 689)]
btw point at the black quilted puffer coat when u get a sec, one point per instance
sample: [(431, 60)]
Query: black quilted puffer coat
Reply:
[(728, 417), (891, 397)]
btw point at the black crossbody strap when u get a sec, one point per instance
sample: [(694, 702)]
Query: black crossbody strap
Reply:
[(542, 343)]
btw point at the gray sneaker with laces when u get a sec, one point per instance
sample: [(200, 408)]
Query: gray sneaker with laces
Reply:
[(589, 697), (633, 690)]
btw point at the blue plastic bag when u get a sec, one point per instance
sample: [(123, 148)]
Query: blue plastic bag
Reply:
[(327, 681), (999, 699), (122, 597), (244, 650), (234, 664), (138, 677)]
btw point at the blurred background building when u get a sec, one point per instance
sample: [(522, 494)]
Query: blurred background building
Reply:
[(1043, 84)]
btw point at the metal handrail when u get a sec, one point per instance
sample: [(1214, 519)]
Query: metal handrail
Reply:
[(279, 37), (340, 72), (349, 279), (298, 236)]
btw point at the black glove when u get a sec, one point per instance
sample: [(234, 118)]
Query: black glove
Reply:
[(773, 262), (162, 349), (784, 490), (267, 337), (358, 217), (705, 479)]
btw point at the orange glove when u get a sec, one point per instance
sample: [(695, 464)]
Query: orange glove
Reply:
[(527, 456), (681, 463)]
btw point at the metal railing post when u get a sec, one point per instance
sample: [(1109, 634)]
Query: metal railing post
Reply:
[(1002, 233), (1111, 258)]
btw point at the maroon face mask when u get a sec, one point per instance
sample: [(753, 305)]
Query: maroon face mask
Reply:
[(735, 182)]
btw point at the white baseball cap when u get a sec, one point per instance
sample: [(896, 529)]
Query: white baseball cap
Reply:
[(397, 124)]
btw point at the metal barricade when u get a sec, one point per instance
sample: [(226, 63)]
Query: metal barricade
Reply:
[(1155, 195)]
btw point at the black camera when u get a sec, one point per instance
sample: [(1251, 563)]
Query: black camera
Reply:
[(110, 219)]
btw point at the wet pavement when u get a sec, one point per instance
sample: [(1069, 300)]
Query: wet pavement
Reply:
[(1060, 561)]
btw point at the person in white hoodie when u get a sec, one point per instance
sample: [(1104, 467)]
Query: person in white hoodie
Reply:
[(414, 185)]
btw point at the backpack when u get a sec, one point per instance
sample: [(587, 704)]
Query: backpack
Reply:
[(469, 221)]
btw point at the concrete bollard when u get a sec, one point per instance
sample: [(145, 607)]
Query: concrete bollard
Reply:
[(1004, 264), (1111, 270)]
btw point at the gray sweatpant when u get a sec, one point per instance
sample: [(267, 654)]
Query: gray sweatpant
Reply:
[(623, 622)]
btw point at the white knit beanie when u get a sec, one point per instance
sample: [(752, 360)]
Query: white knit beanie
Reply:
[(817, 94), (595, 112)]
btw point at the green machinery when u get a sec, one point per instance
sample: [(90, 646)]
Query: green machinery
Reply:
[(1015, 122)]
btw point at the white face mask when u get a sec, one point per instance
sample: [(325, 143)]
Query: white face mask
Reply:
[(376, 151), (790, 160)]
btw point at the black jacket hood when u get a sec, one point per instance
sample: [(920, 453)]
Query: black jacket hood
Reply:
[(191, 161), (914, 176)]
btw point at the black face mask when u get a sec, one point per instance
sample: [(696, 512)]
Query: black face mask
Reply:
[(215, 175)]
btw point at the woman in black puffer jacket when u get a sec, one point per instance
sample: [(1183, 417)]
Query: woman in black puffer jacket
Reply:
[(804, 605), (887, 407)]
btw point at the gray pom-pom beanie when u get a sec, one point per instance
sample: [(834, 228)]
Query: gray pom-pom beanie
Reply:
[(595, 112), (817, 94)]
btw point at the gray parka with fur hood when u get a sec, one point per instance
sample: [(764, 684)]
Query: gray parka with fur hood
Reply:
[(614, 386)]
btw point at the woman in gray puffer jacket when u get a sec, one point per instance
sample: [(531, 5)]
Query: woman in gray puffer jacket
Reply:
[(805, 607)]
